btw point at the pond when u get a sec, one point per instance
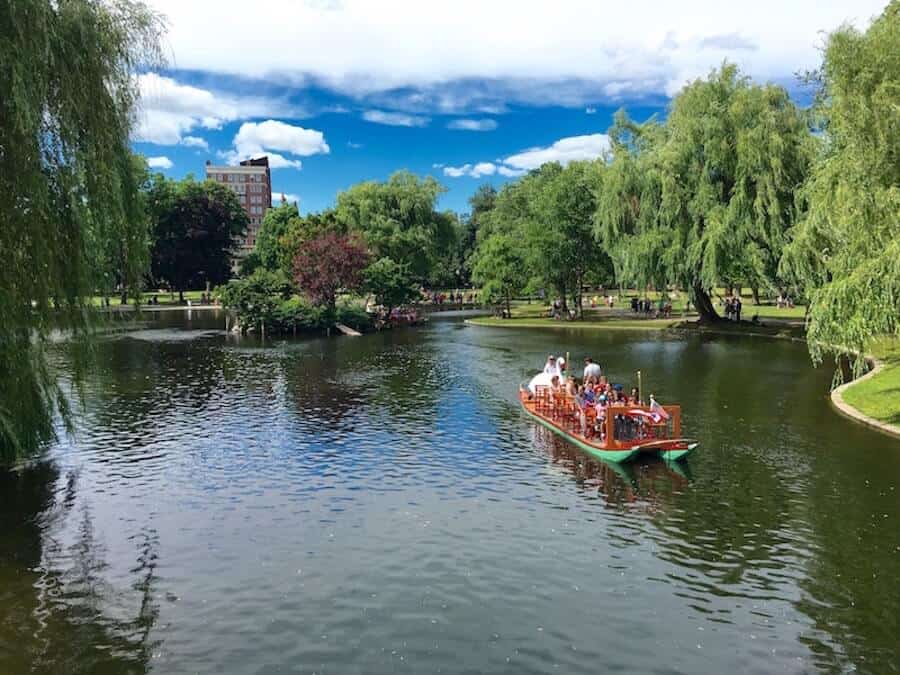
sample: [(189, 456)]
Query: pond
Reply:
[(380, 504)]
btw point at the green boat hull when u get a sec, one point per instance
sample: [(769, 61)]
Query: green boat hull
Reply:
[(675, 455), (614, 456)]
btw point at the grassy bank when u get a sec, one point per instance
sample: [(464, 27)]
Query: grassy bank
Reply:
[(782, 323), (878, 396)]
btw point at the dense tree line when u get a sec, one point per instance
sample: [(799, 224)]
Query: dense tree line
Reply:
[(381, 239), (737, 186)]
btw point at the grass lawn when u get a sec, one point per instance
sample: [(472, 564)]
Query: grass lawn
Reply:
[(534, 315), (879, 396), (164, 298)]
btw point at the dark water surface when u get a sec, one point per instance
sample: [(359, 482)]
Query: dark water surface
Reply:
[(380, 505)]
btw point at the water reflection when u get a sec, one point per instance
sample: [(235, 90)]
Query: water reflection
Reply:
[(55, 602), (381, 505)]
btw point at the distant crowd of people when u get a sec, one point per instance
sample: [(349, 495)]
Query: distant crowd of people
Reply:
[(663, 308), (733, 307), (454, 297)]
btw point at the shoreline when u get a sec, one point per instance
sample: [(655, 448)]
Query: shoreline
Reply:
[(835, 396)]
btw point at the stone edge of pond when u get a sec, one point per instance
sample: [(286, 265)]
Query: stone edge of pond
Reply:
[(847, 410), (836, 395)]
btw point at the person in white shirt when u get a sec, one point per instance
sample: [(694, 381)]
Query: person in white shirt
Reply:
[(591, 369), (551, 368)]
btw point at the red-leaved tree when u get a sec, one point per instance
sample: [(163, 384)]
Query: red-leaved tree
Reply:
[(328, 264)]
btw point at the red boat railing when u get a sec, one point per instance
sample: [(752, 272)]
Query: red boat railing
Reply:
[(623, 425)]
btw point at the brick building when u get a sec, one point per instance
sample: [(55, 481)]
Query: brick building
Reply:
[(251, 180)]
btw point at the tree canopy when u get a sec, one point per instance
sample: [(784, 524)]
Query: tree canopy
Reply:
[(196, 230), (709, 196), (846, 250), (68, 185), (399, 220)]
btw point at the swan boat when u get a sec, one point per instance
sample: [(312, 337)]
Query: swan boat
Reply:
[(618, 433)]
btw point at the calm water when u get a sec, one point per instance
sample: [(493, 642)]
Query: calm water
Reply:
[(380, 505)]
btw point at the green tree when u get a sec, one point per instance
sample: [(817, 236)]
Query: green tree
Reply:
[(68, 183), (198, 228), (846, 251), (480, 204), (499, 268), (398, 219), (277, 222), (120, 259), (390, 283), (719, 192), (551, 212)]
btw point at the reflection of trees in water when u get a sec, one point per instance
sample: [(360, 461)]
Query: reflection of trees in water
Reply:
[(53, 597), (332, 378), (849, 590)]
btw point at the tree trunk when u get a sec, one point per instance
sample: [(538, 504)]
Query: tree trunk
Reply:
[(181, 296), (508, 310), (564, 303), (755, 291), (704, 305)]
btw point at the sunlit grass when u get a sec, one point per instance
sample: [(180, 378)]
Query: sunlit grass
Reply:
[(879, 396)]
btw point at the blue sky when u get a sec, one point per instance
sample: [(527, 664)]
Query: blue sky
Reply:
[(340, 91)]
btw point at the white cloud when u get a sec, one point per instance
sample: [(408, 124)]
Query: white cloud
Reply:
[(568, 49), (472, 171), (590, 110), (273, 137), (473, 125), (510, 173), (354, 146), (290, 197), (394, 119), (195, 142), (169, 109), (160, 163), (565, 150), (457, 171)]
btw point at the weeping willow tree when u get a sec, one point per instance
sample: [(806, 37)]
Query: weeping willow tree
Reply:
[(69, 216), (847, 249), (707, 197)]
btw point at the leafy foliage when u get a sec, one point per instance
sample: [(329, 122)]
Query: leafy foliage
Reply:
[(548, 215), (265, 302), (390, 283), (197, 228), (709, 196), (847, 248), (398, 220), (328, 264), (499, 269), (68, 184)]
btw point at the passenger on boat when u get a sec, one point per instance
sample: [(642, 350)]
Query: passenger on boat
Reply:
[(556, 388), (581, 405), (550, 368), (634, 398), (591, 369)]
